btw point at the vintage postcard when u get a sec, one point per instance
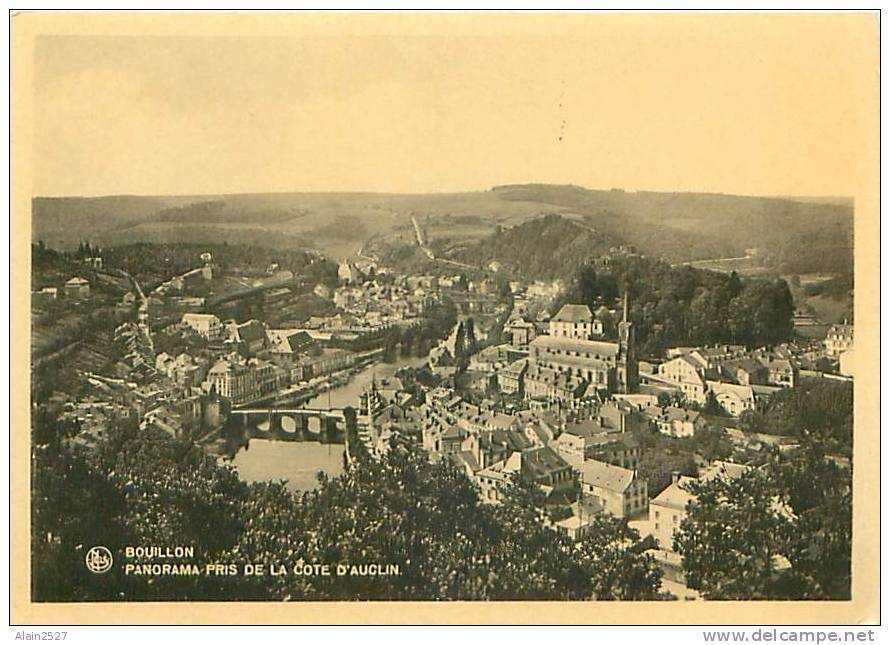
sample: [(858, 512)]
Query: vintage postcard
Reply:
[(558, 318)]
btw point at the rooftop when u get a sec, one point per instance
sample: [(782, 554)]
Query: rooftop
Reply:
[(603, 348), (724, 469), (675, 495), (541, 462), (573, 314), (192, 316), (603, 475)]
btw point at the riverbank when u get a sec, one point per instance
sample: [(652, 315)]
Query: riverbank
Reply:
[(285, 454)]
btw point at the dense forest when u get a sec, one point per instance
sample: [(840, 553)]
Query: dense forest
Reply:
[(685, 306), (545, 248), (791, 235)]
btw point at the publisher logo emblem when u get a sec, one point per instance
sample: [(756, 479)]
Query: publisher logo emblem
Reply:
[(99, 559)]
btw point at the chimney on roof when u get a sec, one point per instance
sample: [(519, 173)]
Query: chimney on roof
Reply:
[(675, 476)]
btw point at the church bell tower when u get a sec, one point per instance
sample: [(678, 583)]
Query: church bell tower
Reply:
[(628, 369)]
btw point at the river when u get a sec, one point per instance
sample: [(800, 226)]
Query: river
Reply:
[(298, 462), (350, 394)]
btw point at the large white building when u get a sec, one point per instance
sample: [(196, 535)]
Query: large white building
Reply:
[(573, 350), (206, 325), (620, 491), (735, 399), (838, 340), (240, 380), (686, 376), (576, 322)]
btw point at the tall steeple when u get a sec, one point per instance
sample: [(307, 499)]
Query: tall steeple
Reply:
[(628, 375)]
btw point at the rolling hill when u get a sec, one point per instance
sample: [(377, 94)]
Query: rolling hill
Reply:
[(794, 235)]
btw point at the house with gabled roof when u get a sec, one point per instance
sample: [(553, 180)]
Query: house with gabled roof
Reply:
[(675, 421), (620, 490), (782, 372), (250, 335), (575, 322), (686, 375), (735, 399), (669, 508)]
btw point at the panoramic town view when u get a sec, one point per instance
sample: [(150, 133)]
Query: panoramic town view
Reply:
[(447, 307), (530, 392)]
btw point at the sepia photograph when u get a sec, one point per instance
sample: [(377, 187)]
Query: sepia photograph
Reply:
[(321, 308)]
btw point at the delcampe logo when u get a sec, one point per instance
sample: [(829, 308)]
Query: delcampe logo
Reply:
[(99, 559)]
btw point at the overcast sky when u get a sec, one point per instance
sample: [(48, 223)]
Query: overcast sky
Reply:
[(711, 103)]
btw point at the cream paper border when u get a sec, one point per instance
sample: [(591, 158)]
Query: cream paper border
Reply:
[(863, 128)]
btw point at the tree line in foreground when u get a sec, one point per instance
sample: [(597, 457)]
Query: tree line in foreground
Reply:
[(145, 488)]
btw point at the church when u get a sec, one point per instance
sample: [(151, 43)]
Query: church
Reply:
[(574, 360)]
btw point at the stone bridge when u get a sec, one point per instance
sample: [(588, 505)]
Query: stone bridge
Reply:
[(293, 423)]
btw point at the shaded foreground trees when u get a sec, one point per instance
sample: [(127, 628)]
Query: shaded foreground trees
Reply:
[(142, 488), (820, 410), (779, 532)]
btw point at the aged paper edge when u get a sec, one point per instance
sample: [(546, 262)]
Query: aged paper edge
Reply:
[(862, 609)]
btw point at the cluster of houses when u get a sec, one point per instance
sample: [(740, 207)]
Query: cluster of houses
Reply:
[(158, 403), (735, 376), (580, 397), (597, 452), (249, 360), (75, 289), (373, 305)]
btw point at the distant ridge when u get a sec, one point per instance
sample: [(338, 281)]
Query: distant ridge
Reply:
[(793, 234)]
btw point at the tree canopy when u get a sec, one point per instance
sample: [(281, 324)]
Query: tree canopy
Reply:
[(143, 487), (771, 534), (686, 306)]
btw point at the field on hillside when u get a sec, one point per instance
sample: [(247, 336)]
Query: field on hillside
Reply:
[(827, 308), (798, 236), (333, 223)]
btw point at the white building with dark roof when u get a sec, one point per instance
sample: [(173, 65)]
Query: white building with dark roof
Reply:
[(576, 322), (571, 351), (77, 288), (686, 375), (206, 325), (838, 340), (669, 508), (621, 492)]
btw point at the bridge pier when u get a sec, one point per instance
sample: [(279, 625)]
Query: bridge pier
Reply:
[(302, 424), (302, 427), (275, 425), (331, 430)]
